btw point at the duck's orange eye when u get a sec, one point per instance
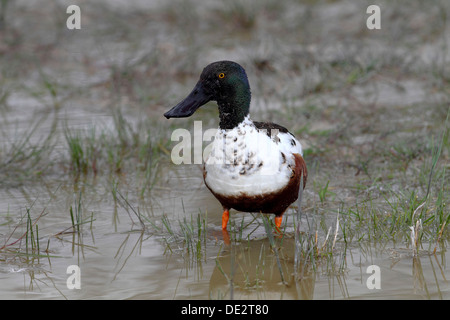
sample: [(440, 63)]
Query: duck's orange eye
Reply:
[(221, 75)]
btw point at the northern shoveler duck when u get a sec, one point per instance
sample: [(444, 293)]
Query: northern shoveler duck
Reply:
[(253, 166)]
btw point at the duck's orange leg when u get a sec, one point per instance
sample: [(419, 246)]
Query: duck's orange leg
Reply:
[(225, 218), (278, 220)]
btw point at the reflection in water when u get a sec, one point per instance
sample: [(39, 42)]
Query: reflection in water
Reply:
[(250, 270), (421, 284)]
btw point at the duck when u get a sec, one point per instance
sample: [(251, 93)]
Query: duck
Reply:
[(252, 166)]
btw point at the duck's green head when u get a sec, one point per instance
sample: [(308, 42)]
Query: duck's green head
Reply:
[(225, 82)]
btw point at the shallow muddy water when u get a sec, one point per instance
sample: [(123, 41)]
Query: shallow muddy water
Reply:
[(121, 259)]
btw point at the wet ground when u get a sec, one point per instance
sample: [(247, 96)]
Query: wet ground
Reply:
[(120, 259), (369, 108)]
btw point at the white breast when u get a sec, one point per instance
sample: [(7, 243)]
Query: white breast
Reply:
[(246, 160)]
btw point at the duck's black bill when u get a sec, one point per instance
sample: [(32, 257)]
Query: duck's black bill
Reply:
[(190, 104)]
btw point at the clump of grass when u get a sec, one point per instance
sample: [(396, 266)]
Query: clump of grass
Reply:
[(318, 245), (32, 238), (124, 148), (22, 159), (32, 235), (31, 248), (194, 236), (82, 151), (323, 191), (411, 216), (186, 236), (76, 215)]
